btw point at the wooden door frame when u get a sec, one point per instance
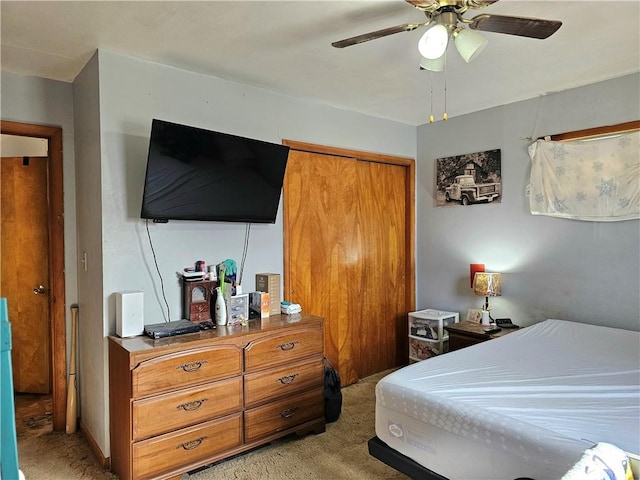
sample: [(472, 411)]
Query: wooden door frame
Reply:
[(410, 196), (57, 308)]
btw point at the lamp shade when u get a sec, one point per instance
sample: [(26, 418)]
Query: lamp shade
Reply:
[(469, 43), (434, 65), (487, 284), (434, 42)]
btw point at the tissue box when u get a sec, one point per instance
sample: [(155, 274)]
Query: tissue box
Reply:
[(270, 283)]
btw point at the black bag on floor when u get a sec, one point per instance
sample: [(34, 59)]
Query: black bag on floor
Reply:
[(332, 393)]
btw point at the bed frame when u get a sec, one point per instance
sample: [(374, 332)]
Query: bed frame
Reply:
[(402, 463)]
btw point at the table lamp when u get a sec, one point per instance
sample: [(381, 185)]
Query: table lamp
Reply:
[(487, 285)]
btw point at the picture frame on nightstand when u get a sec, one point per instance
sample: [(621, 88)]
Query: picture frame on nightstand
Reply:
[(474, 315)]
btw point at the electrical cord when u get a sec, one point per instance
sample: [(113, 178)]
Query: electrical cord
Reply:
[(244, 252), (155, 261)]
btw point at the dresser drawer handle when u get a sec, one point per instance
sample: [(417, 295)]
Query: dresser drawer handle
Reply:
[(191, 367), (287, 346), (288, 413), (193, 444), (191, 406), (287, 379)]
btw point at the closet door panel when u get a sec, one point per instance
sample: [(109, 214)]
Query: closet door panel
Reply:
[(347, 257), (318, 228)]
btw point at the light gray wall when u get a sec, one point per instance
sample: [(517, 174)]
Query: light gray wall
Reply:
[(92, 342), (552, 268), (132, 93), (120, 100), (47, 102)]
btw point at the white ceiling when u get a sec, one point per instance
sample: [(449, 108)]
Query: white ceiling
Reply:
[(285, 46)]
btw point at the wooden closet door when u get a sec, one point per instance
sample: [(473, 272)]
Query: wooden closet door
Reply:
[(349, 255)]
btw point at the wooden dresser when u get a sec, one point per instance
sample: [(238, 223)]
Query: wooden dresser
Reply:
[(182, 402)]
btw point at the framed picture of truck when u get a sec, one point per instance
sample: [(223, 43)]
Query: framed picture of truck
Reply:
[(472, 178)]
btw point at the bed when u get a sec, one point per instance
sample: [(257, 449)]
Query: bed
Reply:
[(525, 405)]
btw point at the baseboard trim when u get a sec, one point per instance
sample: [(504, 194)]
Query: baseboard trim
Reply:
[(93, 445)]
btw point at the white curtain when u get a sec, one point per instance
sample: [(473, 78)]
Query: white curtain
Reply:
[(594, 180)]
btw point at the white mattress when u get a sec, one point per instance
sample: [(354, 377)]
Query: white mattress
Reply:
[(525, 404)]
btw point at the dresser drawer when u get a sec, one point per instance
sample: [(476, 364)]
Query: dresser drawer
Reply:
[(178, 449), (283, 347), (277, 382), (277, 416), (456, 342), (199, 315), (171, 411), (191, 367)]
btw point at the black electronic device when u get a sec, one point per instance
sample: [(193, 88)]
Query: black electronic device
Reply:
[(169, 329), (198, 174), (491, 329), (207, 325), (505, 323)]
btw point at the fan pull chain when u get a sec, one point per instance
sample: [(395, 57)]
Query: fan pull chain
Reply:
[(445, 116), (431, 119)]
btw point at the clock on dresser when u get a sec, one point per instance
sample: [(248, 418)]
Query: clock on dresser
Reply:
[(197, 299)]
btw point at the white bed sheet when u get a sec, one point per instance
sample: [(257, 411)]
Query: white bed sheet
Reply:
[(526, 404)]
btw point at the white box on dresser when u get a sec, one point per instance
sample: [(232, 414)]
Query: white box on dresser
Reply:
[(129, 313)]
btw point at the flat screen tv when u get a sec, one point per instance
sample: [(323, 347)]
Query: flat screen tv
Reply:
[(197, 174)]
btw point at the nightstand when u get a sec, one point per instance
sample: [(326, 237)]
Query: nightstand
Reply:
[(465, 334)]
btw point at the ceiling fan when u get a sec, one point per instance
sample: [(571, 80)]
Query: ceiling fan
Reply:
[(445, 19)]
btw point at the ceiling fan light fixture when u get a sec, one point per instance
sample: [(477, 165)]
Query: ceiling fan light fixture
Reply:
[(433, 43), (469, 43), (433, 65)]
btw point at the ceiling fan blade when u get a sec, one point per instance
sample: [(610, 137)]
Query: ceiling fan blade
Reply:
[(365, 37), (424, 4), (522, 26)]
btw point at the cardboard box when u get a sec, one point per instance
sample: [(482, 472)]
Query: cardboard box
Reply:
[(270, 283), (260, 303)]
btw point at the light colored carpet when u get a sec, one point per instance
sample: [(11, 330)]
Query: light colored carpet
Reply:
[(339, 453)]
